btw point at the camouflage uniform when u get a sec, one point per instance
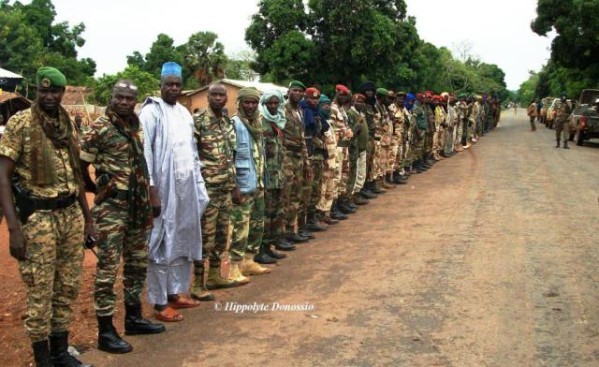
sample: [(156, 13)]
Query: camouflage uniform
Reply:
[(105, 147), (398, 143), (430, 131), (247, 218), (375, 129), (422, 130), (358, 150), (216, 142), (387, 159), (313, 188), (53, 238), (562, 125), (328, 186), (274, 183), (296, 165), (340, 125)]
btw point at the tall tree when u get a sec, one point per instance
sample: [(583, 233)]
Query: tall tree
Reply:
[(205, 56)]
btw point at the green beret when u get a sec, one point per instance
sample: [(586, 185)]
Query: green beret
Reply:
[(50, 77), (462, 96), (249, 92), (382, 92), (297, 84)]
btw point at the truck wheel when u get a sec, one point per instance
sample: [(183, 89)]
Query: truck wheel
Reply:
[(580, 138)]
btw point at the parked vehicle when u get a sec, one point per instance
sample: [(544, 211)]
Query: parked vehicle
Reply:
[(585, 117)]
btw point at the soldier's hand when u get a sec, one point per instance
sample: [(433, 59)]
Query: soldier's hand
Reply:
[(90, 231), (237, 196), (155, 201), (18, 248)]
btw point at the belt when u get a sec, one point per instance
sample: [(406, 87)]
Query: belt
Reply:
[(60, 202)]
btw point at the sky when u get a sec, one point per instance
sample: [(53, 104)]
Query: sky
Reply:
[(497, 32)]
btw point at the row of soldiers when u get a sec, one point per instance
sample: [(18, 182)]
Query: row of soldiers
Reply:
[(196, 203)]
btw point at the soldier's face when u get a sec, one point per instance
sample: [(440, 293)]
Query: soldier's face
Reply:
[(171, 89), (249, 106), (272, 105), (296, 94), (312, 101), (342, 99), (217, 97), (399, 100), (49, 98), (326, 107), (359, 104), (123, 101)]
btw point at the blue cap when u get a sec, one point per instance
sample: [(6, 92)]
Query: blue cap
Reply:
[(171, 68)]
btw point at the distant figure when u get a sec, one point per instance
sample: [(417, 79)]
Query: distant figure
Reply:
[(515, 106), (532, 114)]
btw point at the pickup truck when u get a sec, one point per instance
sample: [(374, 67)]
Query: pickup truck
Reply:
[(585, 117)]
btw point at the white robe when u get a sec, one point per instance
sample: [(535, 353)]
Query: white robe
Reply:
[(174, 167)]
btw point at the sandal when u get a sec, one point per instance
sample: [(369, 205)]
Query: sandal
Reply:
[(183, 302), (168, 315)]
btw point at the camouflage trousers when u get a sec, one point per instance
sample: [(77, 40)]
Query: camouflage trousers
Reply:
[(395, 157), (374, 168), (351, 171), (52, 269), (342, 171), (274, 216), (328, 186), (437, 139), (387, 159), (562, 129), (247, 221), (361, 166), (216, 228), (292, 193), (116, 239), (312, 190)]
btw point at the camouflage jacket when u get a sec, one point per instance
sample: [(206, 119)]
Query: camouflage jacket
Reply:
[(340, 124), (274, 154), (108, 150), (215, 138), (17, 143)]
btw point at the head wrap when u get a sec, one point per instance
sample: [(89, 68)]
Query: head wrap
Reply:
[(297, 84), (342, 89), (50, 77), (367, 86), (312, 92), (248, 93), (279, 118), (324, 99), (324, 114), (382, 92), (171, 68), (406, 103)]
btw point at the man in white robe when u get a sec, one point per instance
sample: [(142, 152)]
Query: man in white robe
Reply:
[(177, 194)]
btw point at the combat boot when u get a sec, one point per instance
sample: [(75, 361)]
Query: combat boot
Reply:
[(359, 199), (314, 225), (136, 324), (250, 267), (336, 213), (216, 281), (59, 351), (198, 289), (557, 145), (386, 183), (272, 253), (344, 207), (236, 275), (329, 221), (377, 187), (566, 144), (296, 238), (41, 354), (262, 257), (367, 194), (108, 338), (284, 245)]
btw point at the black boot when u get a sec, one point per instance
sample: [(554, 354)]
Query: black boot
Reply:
[(336, 213), (41, 354), (344, 208), (557, 145), (367, 194), (272, 253), (59, 351), (314, 225), (296, 238), (566, 144), (262, 257), (305, 233), (108, 339), (283, 245), (136, 324)]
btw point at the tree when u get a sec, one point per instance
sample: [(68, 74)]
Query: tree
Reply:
[(145, 82), (205, 56)]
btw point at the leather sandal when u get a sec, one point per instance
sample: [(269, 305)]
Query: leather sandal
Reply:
[(169, 314), (183, 302)]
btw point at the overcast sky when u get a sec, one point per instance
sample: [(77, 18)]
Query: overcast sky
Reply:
[(497, 31)]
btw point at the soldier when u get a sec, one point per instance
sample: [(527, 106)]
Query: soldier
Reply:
[(315, 127), (215, 138), (122, 213), (359, 126), (177, 195), (328, 186), (399, 144), (373, 119), (273, 123), (440, 116), (562, 121), (384, 98), (422, 162), (297, 165), (532, 114), (49, 219), (247, 216)]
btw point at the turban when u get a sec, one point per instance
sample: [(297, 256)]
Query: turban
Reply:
[(366, 86), (382, 92), (297, 84), (312, 92), (247, 93), (50, 77), (279, 117), (171, 68), (342, 89)]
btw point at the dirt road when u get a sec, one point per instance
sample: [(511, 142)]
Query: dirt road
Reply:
[(488, 259)]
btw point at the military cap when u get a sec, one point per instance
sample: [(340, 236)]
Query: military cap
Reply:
[(324, 99), (360, 97), (312, 92), (342, 89), (48, 76), (297, 84), (382, 92)]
